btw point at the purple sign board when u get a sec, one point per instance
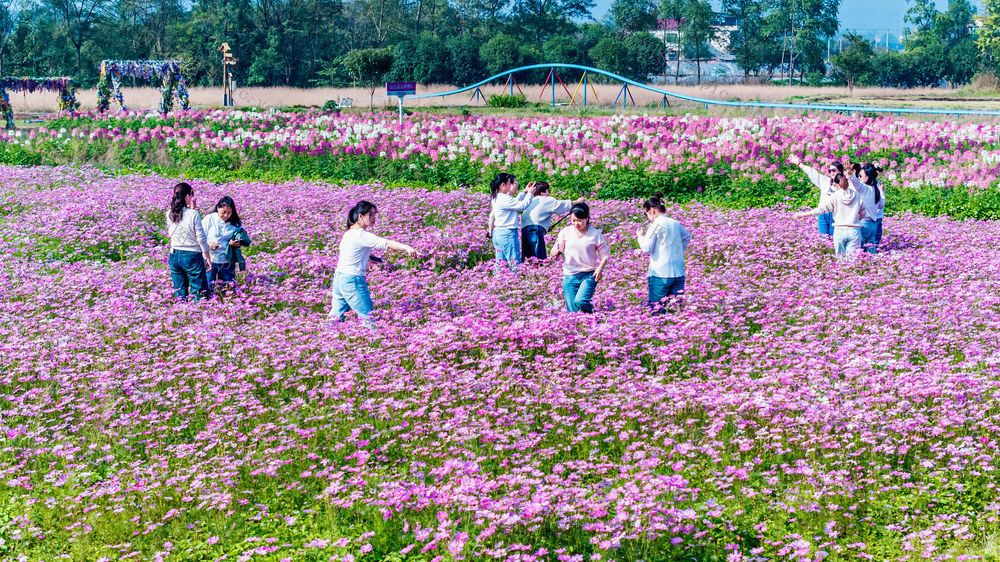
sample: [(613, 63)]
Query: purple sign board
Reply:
[(400, 88)]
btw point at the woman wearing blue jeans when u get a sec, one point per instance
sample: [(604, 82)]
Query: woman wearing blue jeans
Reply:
[(585, 254), (504, 221), (189, 258), (665, 242), (350, 288)]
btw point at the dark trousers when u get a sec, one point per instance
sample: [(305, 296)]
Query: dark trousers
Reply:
[(187, 272), (533, 242)]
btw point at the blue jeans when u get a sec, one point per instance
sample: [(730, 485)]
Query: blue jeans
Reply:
[(187, 273), (350, 292), (661, 288), (578, 289), (507, 247), (533, 242), (868, 230), (878, 231), (847, 239), (222, 272), (825, 223)]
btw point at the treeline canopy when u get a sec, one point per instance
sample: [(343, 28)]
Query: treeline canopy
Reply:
[(308, 42)]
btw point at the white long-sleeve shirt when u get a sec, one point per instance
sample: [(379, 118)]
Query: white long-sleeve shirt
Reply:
[(219, 232), (880, 206), (823, 182), (506, 208), (541, 209), (867, 194), (665, 241), (355, 248), (187, 234)]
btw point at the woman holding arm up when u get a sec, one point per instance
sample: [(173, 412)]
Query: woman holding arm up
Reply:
[(504, 221), (665, 242), (848, 212), (826, 189), (350, 288), (585, 254)]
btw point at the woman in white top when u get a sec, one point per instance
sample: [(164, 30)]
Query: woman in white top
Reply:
[(826, 189), (585, 254), (871, 233), (189, 258), (504, 219), (848, 212), (350, 288), (220, 227), (665, 242), (537, 219)]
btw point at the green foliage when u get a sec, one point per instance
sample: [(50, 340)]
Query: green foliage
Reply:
[(646, 55), (501, 52), (988, 36), (854, 61), (369, 66), (506, 100), (433, 62), (633, 15), (612, 55)]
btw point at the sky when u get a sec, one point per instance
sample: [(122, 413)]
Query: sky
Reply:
[(855, 15)]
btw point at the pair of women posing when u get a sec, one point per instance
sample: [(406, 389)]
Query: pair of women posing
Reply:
[(203, 251), (851, 205)]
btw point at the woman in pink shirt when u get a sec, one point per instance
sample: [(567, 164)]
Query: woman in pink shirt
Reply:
[(585, 254)]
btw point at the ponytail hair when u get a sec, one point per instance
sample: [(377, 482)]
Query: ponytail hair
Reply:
[(361, 208), (227, 201), (541, 186), (655, 202), (498, 180), (179, 201), (871, 171), (841, 181)]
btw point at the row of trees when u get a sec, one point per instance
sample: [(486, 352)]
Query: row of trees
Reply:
[(319, 42)]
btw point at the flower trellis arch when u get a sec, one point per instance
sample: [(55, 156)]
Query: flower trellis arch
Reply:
[(168, 72), (65, 86)]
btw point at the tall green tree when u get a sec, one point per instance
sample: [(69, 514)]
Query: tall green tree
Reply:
[(544, 18), (854, 61), (674, 13), (700, 30), (369, 67), (80, 17), (633, 16), (748, 42), (645, 55), (988, 37), (802, 26)]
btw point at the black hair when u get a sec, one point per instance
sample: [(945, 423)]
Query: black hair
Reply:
[(581, 211), (498, 180), (871, 171), (856, 167), (227, 201), (841, 180), (541, 186), (838, 166), (655, 202), (179, 201), (362, 208)]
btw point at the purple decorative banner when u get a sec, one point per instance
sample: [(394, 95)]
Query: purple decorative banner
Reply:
[(400, 88)]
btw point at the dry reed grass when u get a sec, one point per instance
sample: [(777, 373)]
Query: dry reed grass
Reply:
[(149, 98)]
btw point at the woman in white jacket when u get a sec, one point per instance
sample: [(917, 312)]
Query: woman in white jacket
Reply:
[(665, 242), (824, 181), (189, 258), (848, 212)]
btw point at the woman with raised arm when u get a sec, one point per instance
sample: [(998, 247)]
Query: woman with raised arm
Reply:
[(350, 287), (826, 189), (665, 242), (189, 257), (848, 212), (537, 219), (585, 254), (504, 221)]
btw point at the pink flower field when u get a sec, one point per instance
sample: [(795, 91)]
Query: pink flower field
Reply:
[(799, 407)]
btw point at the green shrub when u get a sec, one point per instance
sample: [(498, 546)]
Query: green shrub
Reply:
[(504, 100)]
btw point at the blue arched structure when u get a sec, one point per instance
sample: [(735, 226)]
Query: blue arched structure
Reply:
[(626, 83)]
